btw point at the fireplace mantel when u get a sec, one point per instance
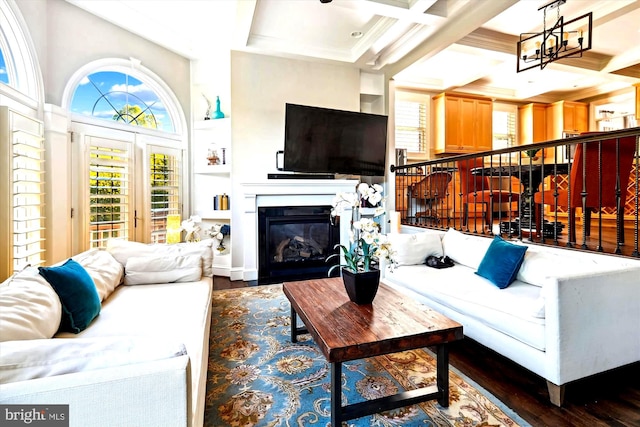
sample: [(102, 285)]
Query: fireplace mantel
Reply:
[(285, 192)]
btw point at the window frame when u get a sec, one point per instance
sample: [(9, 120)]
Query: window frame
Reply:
[(425, 99)]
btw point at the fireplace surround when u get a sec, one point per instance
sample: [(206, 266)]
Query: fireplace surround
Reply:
[(284, 193)]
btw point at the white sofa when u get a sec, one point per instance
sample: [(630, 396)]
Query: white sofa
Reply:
[(568, 314), (141, 362)]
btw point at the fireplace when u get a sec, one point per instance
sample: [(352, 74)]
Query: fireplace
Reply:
[(294, 243)]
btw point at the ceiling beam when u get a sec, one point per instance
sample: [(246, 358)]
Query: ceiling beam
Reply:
[(466, 20)]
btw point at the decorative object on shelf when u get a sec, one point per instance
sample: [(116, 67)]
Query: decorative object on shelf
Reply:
[(212, 155), (192, 228), (367, 244), (562, 40), (218, 231), (218, 114), (224, 202), (207, 114), (224, 156)]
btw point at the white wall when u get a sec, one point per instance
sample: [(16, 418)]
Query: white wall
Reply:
[(260, 88)]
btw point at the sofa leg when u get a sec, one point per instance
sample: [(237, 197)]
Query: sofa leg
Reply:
[(556, 393)]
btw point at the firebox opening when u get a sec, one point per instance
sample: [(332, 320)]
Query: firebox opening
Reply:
[(294, 243)]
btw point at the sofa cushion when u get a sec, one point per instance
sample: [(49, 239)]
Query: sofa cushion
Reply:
[(77, 292), (168, 269), (413, 249), (29, 307), (122, 250), (501, 262), (106, 272), (514, 311), (26, 360), (465, 249)]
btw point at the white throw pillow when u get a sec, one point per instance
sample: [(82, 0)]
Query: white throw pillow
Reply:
[(106, 272), (413, 249), (148, 270), (122, 250), (26, 360), (465, 249), (29, 307)]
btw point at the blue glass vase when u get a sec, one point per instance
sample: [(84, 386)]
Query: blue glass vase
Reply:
[(218, 114)]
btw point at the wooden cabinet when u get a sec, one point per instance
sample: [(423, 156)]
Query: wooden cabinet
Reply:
[(462, 124), (566, 117), (532, 123), (637, 86)]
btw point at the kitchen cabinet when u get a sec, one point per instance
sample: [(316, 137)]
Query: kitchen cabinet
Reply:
[(462, 123), (532, 123), (566, 117)]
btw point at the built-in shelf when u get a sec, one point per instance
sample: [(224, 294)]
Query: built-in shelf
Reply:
[(219, 214), (211, 124), (213, 169)]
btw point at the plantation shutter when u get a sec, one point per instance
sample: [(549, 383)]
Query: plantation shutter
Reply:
[(165, 172), (110, 190), (411, 126), (22, 175)]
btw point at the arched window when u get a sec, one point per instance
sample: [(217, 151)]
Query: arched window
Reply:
[(4, 76), (19, 67), (22, 166), (114, 95)]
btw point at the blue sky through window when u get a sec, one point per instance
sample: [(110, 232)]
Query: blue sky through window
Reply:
[(106, 94), (4, 77)]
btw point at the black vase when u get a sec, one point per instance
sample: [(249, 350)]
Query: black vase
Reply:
[(361, 286)]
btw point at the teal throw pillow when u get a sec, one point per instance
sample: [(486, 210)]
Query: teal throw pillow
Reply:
[(501, 262), (77, 293)]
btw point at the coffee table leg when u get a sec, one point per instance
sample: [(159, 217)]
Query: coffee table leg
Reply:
[(294, 325), (336, 394), (442, 375)]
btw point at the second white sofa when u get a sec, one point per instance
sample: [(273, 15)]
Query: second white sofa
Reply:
[(568, 314)]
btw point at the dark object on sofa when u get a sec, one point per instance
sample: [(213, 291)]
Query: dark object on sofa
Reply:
[(439, 262)]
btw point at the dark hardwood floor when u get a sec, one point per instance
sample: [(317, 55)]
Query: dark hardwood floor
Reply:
[(609, 399)]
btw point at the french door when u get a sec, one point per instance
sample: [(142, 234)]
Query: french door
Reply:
[(125, 186)]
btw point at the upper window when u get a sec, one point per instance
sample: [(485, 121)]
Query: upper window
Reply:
[(4, 76), (412, 118), (117, 96), (504, 125)]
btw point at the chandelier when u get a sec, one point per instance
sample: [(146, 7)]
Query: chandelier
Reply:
[(565, 39)]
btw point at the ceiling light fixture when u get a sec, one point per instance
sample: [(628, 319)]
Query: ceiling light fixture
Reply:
[(357, 34), (562, 40)]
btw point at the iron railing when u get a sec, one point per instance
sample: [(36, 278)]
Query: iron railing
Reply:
[(579, 192)]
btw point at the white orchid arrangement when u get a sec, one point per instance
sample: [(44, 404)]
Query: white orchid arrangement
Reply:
[(367, 244), (192, 227)]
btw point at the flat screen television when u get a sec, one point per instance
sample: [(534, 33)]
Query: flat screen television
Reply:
[(322, 140)]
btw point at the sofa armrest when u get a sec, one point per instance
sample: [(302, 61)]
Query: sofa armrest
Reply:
[(591, 323), (144, 394)]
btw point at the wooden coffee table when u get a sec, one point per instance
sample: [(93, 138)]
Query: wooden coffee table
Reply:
[(346, 331)]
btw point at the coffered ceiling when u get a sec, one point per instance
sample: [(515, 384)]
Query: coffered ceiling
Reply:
[(437, 45)]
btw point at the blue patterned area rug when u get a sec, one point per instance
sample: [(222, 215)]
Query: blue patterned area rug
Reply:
[(257, 377)]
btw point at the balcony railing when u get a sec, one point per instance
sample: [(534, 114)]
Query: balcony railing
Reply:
[(579, 192)]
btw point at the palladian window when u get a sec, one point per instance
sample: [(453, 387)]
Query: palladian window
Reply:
[(113, 95)]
